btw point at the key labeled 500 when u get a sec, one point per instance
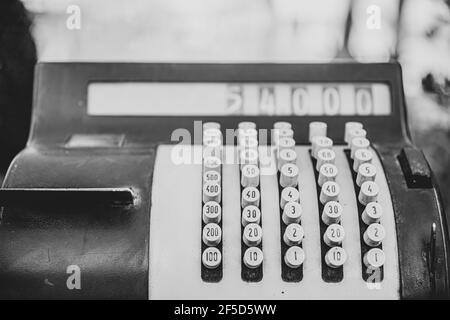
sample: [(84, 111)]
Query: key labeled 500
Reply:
[(249, 309)]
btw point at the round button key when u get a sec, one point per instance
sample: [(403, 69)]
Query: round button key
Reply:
[(286, 143), (250, 176), (212, 234), (374, 258), (372, 213), (319, 143), (211, 258), (289, 175), (211, 164), (211, 192), (357, 144), (329, 192), (212, 142), (211, 125), (325, 156), (350, 126), (282, 125), (289, 194), (279, 133), (327, 172), (212, 151), (317, 129), (356, 133), (212, 177), (286, 156), (294, 257), (368, 192), (361, 156), (253, 257), (252, 234), (250, 214), (292, 213), (374, 235), (293, 235), (250, 197), (335, 257), (334, 235), (366, 172), (332, 212), (246, 125), (212, 212), (248, 156), (248, 143), (245, 133)]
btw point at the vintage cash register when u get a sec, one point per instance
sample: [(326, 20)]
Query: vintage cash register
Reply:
[(221, 181)]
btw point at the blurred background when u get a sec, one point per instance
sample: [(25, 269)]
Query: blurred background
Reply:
[(415, 32)]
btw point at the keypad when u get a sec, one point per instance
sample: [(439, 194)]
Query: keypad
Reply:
[(331, 213), (251, 218), (291, 230), (372, 232), (212, 265)]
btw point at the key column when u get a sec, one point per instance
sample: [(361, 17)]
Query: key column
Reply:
[(332, 232), (372, 232), (251, 219), (291, 230), (211, 221)]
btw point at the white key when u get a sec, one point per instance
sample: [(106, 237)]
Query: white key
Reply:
[(282, 125), (252, 234), (357, 144), (281, 129), (368, 192), (247, 125), (248, 143), (335, 257), (325, 156), (319, 143), (212, 234), (350, 126), (327, 172), (374, 235), (247, 133), (212, 151), (250, 214), (332, 212), (212, 212), (293, 235), (286, 143), (211, 176), (329, 192), (250, 176), (286, 156), (334, 235), (361, 156), (289, 175), (253, 257), (211, 258), (250, 197), (374, 258), (317, 129), (366, 172), (211, 125), (212, 132), (289, 194), (372, 213), (356, 133), (248, 156), (292, 213), (212, 142), (212, 164), (294, 257), (211, 192)]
